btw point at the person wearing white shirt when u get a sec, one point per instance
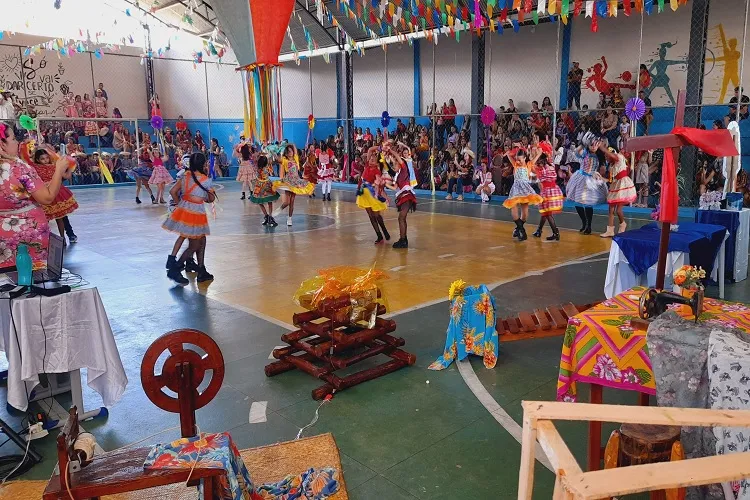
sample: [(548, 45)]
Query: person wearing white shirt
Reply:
[(7, 110)]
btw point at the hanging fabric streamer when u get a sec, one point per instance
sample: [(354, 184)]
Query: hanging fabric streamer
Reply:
[(589, 8), (649, 6), (105, 171), (256, 34), (565, 10), (578, 7), (594, 22), (601, 8), (552, 7), (626, 8), (661, 6), (541, 7)]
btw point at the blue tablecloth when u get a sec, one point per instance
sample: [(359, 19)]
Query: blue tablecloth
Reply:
[(731, 221), (701, 241)]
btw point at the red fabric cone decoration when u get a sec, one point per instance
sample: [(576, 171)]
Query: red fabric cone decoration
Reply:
[(713, 142)]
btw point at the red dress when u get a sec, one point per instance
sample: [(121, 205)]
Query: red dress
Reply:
[(64, 203), (405, 193)]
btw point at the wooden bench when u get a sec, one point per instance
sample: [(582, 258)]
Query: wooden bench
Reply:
[(121, 471)]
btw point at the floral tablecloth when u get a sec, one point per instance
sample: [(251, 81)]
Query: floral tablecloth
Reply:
[(600, 347)]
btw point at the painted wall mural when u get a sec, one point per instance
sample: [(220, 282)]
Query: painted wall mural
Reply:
[(596, 79), (722, 66), (35, 81), (657, 67)]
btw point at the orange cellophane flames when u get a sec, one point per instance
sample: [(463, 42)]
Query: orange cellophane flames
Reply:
[(362, 286)]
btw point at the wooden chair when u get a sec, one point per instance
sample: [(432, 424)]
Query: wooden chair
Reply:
[(121, 471), (572, 483)]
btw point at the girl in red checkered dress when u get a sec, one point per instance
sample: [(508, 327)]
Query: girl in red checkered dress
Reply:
[(552, 195)]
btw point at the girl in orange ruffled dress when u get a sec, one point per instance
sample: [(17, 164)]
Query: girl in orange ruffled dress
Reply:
[(189, 219)]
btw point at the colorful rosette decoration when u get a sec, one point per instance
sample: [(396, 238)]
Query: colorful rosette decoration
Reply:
[(27, 122), (635, 109), (385, 119), (157, 122), (488, 115)]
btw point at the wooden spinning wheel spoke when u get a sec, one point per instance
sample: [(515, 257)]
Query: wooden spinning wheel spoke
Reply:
[(183, 373), (175, 349)]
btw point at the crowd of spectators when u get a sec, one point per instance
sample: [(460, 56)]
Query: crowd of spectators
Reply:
[(456, 163)]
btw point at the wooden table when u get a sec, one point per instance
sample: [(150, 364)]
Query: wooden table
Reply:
[(602, 349)]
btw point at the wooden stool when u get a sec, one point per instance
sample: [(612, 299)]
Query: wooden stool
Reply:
[(636, 444)]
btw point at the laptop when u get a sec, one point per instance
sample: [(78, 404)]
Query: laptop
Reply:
[(54, 263)]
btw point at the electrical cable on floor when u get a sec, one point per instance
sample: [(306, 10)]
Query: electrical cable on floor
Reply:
[(23, 460), (316, 417)]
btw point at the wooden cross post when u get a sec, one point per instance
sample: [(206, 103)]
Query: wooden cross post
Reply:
[(663, 141)]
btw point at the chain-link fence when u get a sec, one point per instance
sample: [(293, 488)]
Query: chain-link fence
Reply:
[(549, 80)]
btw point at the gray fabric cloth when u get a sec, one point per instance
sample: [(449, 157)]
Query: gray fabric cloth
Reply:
[(729, 389), (678, 349)]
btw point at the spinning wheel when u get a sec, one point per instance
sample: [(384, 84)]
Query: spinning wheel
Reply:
[(183, 373)]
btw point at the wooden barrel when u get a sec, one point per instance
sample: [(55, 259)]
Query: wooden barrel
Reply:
[(646, 444)]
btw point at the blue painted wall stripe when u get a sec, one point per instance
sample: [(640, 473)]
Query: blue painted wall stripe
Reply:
[(565, 64), (417, 78)]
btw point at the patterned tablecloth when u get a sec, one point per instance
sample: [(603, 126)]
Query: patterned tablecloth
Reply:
[(600, 347)]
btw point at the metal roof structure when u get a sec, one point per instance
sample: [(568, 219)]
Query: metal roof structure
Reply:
[(198, 17)]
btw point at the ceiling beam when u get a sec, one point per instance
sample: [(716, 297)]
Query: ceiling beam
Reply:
[(315, 19), (166, 5)]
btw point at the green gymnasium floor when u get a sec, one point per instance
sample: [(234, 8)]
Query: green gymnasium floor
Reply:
[(412, 434)]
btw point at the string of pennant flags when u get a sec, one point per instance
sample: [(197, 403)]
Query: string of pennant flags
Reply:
[(411, 16)]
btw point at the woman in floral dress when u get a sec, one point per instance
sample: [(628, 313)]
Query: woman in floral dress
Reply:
[(100, 104), (22, 192), (90, 128)]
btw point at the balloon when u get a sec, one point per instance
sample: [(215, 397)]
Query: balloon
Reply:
[(488, 115), (310, 122), (385, 119), (157, 122), (27, 122)]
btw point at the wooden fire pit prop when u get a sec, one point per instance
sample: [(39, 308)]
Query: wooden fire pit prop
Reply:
[(320, 348)]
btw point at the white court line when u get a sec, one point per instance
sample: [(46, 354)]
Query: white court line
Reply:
[(473, 382), (397, 268), (446, 255), (497, 411), (259, 314), (492, 286)]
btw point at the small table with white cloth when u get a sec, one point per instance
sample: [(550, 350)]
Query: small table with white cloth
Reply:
[(60, 334), (738, 242), (633, 255)]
